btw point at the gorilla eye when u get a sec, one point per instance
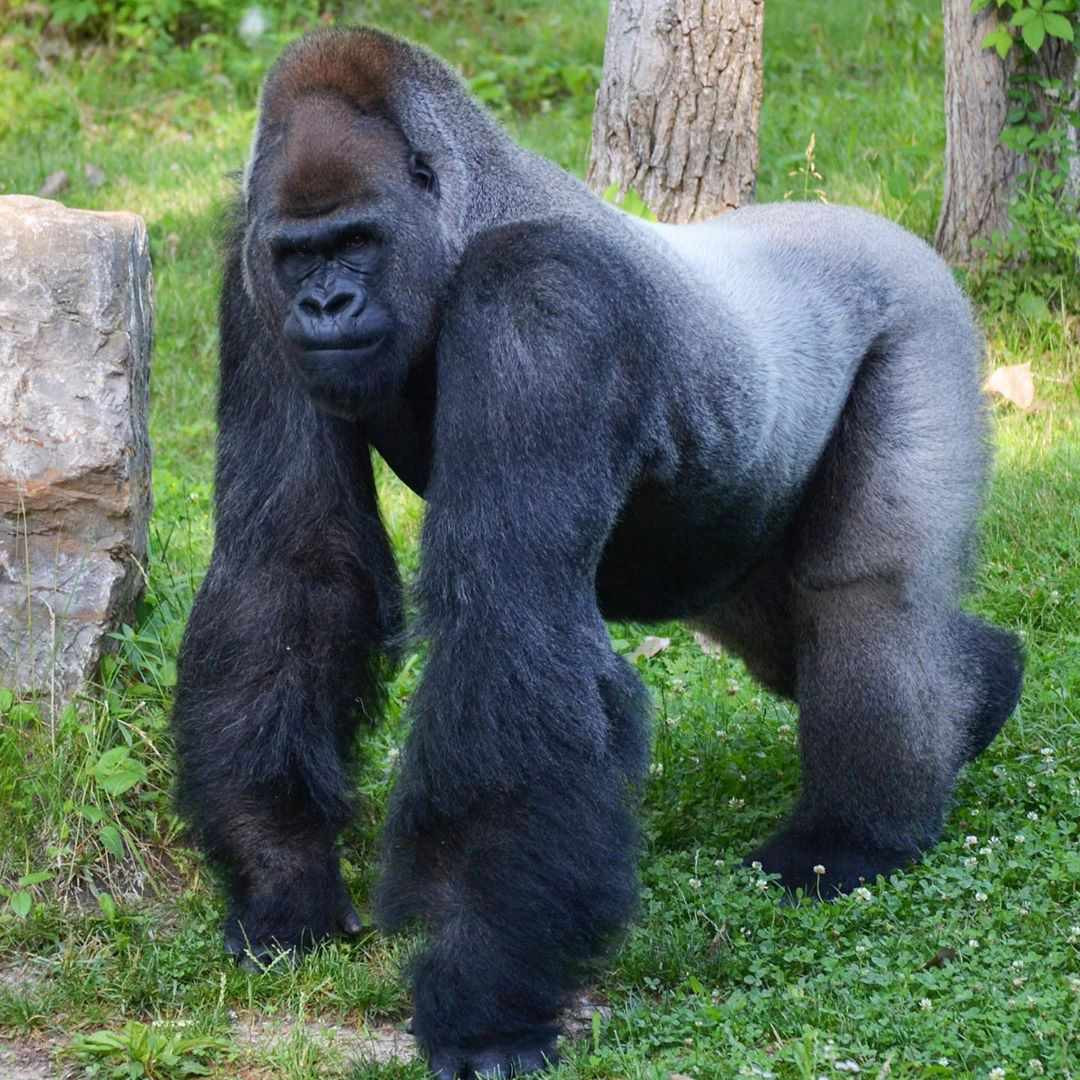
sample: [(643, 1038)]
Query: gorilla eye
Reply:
[(423, 174), (299, 263)]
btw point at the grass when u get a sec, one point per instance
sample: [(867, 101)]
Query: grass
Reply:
[(109, 955)]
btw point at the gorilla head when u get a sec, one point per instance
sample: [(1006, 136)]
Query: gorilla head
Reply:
[(344, 251)]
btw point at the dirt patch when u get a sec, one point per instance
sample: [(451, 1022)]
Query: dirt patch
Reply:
[(378, 1044), (373, 1044), (21, 1060)]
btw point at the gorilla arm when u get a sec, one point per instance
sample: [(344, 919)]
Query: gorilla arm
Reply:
[(283, 644), (511, 832)]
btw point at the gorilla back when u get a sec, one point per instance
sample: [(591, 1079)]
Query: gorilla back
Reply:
[(768, 425)]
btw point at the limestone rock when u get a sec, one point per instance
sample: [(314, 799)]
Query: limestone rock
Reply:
[(76, 319)]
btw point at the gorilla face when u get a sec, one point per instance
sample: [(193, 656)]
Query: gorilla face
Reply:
[(345, 253)]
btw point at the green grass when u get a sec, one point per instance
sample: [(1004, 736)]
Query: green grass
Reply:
[(967, 964)]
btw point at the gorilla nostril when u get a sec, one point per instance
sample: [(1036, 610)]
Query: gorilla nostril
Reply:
[(319, 307), (339, 302)]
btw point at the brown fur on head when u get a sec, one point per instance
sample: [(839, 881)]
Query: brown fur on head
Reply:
[(332, 153), (358, 65)]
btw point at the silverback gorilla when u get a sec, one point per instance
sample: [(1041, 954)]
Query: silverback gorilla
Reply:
[(768, 425)]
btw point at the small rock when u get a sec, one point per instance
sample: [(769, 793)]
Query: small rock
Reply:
[(54, 184), (94, 176)]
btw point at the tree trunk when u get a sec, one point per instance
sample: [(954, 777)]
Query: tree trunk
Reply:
[(980, 173), (677, 111)]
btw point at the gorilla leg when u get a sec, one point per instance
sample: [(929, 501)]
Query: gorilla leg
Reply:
[(996, 661), (879, 736), (755, 623), (281, 650), (896, 689)]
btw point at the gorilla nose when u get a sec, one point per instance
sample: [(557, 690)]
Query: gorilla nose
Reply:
[(339, 302)]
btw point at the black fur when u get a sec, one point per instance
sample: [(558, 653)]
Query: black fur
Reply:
[(769, 426)]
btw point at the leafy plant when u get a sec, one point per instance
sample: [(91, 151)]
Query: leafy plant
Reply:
[(143, 1051), (1043, 239)]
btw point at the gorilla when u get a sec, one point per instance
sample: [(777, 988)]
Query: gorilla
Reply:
[(768, 425)]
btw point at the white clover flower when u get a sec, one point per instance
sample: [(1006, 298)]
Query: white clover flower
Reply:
[(819, 869), (973, 943), (755, 865), (981, 897), (971, 862), (695, 883), (985, 851), (925, 1004), (1036, 1066), (997, 1074), (970, 841), (862, 893), (1032, 816), (847, 1066), (1020, 838), (252, 26)]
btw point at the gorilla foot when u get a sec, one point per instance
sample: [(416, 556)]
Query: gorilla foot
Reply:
[(494, 1062), (823, 866), (262, 929)]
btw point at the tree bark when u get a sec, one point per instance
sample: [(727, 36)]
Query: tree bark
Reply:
[(981, 173), (677, 111)]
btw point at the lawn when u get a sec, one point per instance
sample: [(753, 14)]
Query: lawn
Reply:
[(967, 966)]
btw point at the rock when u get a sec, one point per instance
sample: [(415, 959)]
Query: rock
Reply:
[(95, 177), (76, 318), (54, 184)]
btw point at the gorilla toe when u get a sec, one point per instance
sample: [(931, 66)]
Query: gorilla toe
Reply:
[(259, 931), (494, 1062), (826, 867)]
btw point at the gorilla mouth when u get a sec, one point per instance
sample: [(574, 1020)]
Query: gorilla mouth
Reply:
[(341, 379), (354, 350)]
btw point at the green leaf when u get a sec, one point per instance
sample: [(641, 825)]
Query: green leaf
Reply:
[(7, 699), (978, 5), (107, 905), (1023, 17), (999, 39), (1019, 137), (21, 902), (1059, 5), (112, 841), (1058, 26), (116, 771), (36, 878), (1034, 34), (1033, 306)]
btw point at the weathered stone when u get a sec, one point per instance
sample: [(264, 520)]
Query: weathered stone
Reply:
[(76, 318)]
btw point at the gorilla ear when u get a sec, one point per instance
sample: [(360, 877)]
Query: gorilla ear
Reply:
[(423, 174)]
